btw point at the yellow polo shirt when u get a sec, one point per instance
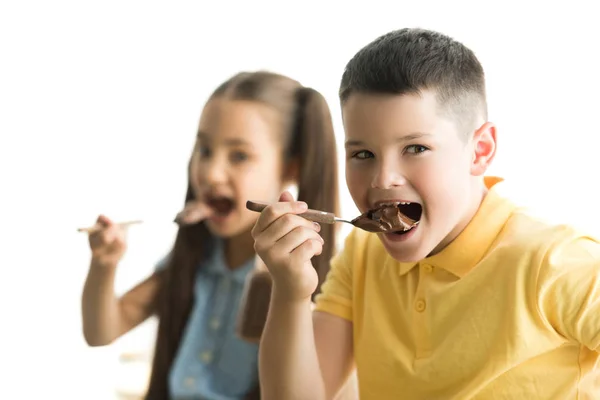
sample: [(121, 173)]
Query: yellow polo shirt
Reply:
[(509, 310)]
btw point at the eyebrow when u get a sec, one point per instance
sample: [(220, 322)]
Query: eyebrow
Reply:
[(405, 138), (232, 142)]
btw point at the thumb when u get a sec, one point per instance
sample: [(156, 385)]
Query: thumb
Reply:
[(286, 196), (104, 221)]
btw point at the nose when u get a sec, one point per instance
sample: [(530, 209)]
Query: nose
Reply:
[(387, 175), (215, 170)]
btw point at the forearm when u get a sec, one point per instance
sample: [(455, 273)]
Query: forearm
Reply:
[(289, 365), (100, 308)]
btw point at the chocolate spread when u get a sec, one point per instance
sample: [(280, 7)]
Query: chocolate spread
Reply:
[(384, 219)]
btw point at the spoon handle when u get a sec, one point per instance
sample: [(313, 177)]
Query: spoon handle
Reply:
[(311, 215)]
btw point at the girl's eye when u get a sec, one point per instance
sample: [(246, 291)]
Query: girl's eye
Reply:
[(238, 156), (362, 155), (415, 149), (204, 151)]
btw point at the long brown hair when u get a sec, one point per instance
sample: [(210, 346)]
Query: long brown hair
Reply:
[(308, 138)]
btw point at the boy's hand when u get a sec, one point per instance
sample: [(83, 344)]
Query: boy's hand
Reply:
[(286, 243), (107, 244)]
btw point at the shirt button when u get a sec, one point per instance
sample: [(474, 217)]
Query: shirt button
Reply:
[(206, 357), (428, 268), (189, 382), (215, 324), (420, 305)]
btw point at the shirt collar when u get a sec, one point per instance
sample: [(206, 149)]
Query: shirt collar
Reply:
[(215, 264), (469, 247)]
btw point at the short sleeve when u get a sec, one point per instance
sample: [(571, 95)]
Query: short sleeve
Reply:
[(569, 290), (336, 292)]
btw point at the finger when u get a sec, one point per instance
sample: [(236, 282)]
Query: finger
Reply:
[(286, 196), (104, 221), (275, 211), (96, 235), (117, 242), (191, 216), (193, 213), (104, 236), (295, 238), (279, 253), (280, 228), (306, 251)]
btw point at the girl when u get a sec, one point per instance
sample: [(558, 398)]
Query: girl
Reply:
[(258, 133)]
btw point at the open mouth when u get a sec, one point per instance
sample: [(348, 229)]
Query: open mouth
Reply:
[(398, 217), (394, 217), (222, 206), (412, 211)]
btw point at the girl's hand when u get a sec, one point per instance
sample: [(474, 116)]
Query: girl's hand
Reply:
[(286, 243), (107, 244), (193, 212)]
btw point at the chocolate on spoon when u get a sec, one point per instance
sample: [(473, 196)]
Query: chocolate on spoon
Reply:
[(386, 218)]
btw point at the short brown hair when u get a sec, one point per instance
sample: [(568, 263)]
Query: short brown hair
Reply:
[(410, 60)]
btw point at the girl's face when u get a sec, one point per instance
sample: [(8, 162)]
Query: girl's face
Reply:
[(237, 157)]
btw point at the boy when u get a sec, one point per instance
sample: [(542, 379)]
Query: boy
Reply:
[(478, 301)]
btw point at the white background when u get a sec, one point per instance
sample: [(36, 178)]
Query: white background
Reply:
[(99, 103)]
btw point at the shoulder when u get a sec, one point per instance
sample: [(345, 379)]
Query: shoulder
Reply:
[(547, 243), (532, 230)]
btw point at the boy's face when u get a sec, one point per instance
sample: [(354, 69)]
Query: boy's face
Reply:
[(403, 149)]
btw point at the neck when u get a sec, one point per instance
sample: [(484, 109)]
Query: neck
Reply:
[(238, 250)]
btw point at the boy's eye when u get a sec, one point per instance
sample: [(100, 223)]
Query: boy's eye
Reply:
[(362, 155), (238, 156), (415, 149)]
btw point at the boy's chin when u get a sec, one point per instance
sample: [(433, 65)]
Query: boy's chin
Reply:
[(406, 252)]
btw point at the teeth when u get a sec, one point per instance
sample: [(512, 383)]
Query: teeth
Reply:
[(395, 203), (410, 227)]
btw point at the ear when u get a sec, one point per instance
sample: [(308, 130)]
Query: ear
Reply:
[(484, 148), (291, 172)]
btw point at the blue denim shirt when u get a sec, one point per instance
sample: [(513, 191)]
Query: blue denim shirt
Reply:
[(212, 362)]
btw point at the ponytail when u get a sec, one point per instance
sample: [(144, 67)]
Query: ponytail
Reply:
[(310, 143), (315, 149), (175, 300)]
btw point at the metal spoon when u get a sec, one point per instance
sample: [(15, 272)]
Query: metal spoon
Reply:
[(364, 221), (311, 215)]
